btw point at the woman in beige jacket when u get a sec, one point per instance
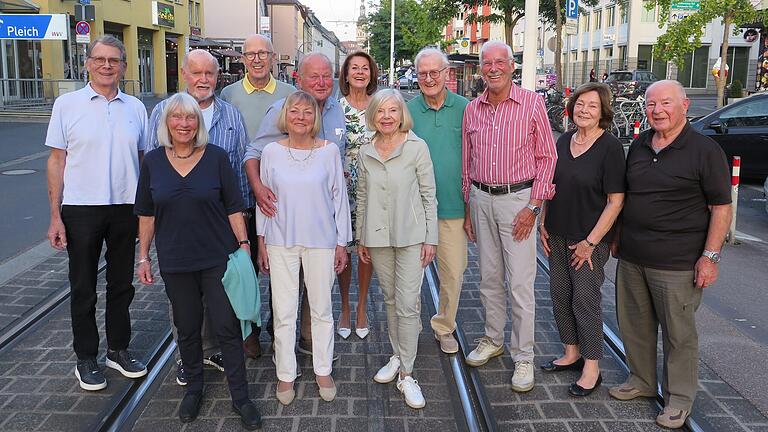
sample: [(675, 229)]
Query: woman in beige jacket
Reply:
[(397, 228)]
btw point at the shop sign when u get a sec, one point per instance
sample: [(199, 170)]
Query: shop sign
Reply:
[(33, 26), (163, 14)]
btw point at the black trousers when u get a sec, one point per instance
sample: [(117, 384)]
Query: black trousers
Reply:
[(187, 292), (87, 229)]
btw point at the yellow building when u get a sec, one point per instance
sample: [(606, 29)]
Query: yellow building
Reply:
[(154, 33)]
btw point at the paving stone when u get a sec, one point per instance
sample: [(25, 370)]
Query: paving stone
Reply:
[(724, 424), (314, 424), (64, 423), (59, 403), (428, 425), (23, 421), (620, 426), (593, 410), (720, 389), (156, 425), (586, 426), (550, 427), (557, 410), (744, 411), (22, 403), (515, 412)]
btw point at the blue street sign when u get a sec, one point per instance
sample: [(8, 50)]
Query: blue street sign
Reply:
[(85, 2), (29, 26), (572, 9)]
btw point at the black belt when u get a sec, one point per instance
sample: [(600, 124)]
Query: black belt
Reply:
[(503, 189)]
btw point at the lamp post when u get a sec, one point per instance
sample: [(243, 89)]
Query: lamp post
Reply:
[(392, 45), (529, 45)]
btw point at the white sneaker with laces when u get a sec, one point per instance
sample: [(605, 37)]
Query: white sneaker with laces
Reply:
[(389, 371), (485, 351), (522, 379), (410, 389)]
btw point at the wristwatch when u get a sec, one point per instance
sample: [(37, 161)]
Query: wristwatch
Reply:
[(713, 256), (535, 209), (242, 242)]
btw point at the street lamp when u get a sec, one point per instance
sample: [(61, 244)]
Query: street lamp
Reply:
[(392, 45)]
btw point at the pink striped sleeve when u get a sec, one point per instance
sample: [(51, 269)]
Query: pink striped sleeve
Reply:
[(544, 152), (466, 147)]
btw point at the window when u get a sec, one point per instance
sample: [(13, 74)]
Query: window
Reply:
[(648, 15), (609, 63), (596, 61), (645, 61), (585, 22), (738, 60), (623, 18), (610, 16), (694, 72), (749, 114), (584, 67), (598, 19), (622, 57)]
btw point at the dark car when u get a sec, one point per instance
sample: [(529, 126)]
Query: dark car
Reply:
[(741, 129), (630, 83)]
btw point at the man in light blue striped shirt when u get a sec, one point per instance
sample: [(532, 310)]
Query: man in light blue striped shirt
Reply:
[(226, 129)]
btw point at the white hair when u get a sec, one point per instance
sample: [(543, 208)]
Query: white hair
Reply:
[(185, 104), (675, 83), (430, 51), (494, 44), (310, 56), (200, 53), (267, 40)]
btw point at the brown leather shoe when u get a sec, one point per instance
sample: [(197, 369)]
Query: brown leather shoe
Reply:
[(627, 391), (251, 346), (672, 418)]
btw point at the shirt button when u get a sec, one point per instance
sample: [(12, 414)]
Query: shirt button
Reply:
[(493, 163), (655, 160), (495, 144)]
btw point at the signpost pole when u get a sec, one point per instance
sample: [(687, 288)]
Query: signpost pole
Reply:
[(70, 53)]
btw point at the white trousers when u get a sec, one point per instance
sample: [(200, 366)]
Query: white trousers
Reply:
[(284, 264)]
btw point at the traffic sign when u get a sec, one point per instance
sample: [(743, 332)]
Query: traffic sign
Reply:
[(33, 26), (572, 9), (688, 5), (83, 32), (85, 2), (571, 26)]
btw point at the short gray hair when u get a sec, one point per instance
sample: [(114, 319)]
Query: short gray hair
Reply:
[(312, 55), (378, 99), (108, 40), (675, 83), (430, 51), (496, 43), (200, 53), (186, 104), (259, 36)]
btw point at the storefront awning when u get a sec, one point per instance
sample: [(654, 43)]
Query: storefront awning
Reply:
[(18, 6), (226, 52)]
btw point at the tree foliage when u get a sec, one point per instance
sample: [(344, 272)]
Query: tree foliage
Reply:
[(415, 28)]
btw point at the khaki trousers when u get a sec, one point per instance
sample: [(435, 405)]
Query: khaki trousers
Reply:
[(284, 265), (501, 256), (648, 297), (451, 263), (400, 274)]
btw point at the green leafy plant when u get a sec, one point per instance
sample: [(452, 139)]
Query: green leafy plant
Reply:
[(736, 90)]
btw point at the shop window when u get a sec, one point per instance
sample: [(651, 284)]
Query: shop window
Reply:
[(646, 61), (694, 72), (738, 61)]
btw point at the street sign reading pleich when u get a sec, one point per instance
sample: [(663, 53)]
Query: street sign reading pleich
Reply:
[(83, 32), (33, 26), (572, 9), (686, 5)]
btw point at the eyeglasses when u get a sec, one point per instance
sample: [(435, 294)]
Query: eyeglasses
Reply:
[(262, 55), (101, 61), (434, 74)]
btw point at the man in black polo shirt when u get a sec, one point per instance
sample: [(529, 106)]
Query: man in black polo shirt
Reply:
[(676, 214)]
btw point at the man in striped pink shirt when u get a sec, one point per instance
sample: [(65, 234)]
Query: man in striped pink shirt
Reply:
[(508, 160)]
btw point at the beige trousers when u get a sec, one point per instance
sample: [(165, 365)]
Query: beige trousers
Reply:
[(501, 256), (284, 264), (451, 263), (400, 274)]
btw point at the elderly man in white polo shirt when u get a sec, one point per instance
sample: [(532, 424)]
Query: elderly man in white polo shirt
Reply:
[(97, 138)]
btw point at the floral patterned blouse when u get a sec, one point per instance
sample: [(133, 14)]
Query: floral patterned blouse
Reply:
[(357, 136)]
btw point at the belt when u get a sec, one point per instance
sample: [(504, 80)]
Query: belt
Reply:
[(503, 189)]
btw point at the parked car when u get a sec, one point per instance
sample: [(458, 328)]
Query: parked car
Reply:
[(403, 82), (741, 129), (630, 83)]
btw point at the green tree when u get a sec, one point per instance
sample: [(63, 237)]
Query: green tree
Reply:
[(684, 36), (415, 28)]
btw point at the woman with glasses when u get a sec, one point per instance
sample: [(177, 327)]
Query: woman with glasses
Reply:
[(357, 83)]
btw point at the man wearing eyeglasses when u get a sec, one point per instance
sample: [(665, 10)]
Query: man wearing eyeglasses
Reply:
[(437, 114), (252, 96), (97, 138), (508, 161)]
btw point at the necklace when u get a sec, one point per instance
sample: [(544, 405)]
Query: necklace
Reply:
[(306, 158), (587, 139), (173, 152)]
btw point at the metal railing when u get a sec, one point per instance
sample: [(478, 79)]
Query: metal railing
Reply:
[(38, 95)]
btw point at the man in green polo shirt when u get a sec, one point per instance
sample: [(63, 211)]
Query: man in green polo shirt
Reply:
[(437, 115)]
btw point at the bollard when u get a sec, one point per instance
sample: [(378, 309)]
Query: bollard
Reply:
[(731, 239), (567, 92), (636, 132), (565, 119)]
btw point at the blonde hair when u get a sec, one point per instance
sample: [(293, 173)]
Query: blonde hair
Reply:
[(185, 104), (378, 99), (296, 98)]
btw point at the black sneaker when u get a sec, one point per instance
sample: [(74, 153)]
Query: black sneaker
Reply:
[(249, 415), (181, 379), (123, 362), (89, 374), (190, 406), (215, 360)]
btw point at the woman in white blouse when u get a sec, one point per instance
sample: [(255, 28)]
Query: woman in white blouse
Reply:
[(310, 230)]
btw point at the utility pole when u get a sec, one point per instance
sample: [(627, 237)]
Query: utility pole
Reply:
[(392, 45), (529, 44)]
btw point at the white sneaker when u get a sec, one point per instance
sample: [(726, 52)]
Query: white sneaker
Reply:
[(409, 387), (522, 379), (389, 371), (485, 350)]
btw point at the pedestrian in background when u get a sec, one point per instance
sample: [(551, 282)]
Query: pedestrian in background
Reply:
[(508, 159), (397, 228), (189, 200), (357, 84), (576, 229), (432, 110), (97, 139), (309, 230), (676, 215), (252, 96), (592, 75)]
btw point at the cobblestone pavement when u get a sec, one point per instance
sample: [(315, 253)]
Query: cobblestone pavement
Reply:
[(38, 391)]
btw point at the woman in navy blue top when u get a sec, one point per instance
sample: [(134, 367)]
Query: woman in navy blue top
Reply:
[(188, 199)]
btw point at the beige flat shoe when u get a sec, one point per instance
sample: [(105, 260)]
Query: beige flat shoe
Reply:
[(285, 397), (327, 393)]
